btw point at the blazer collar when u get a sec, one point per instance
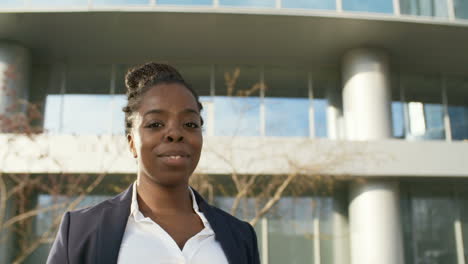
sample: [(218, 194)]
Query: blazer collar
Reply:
[(114, 221)]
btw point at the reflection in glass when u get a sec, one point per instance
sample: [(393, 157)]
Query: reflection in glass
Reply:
[(120, 2), (45, 3), (287, 117), (425, 109), (185, 2), (312, 4), (320, 117), (461, 8), (11, 3), (398, 119), (52, 116), (286, 102), (237, 116), (432, 8), (457, 94), (248, 3), (428, 217), (379, 6), (86, 114)]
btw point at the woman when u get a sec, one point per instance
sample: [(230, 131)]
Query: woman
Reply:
[(159, 219)]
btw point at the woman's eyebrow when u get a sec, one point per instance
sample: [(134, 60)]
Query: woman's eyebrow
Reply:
[(160, 111)]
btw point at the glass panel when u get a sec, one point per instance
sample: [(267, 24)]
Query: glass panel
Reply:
[(87, 104), (11, 3), (380, 6), (45, 3), (423, 95), (248, 3), (237, 104), (462, 196), (461, 8), (457, 97), (286, 102), (432, 8), (312, 4), (185, 2), (398, 119), (321, 85), (120, 2), (428, 217), (237, 116), (198, 76)]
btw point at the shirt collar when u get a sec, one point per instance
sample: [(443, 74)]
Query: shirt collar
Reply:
[(138, 216)]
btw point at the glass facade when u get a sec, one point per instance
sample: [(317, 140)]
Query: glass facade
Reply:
[(431, 8), (430, 213), (378, 6), (120, 2), (461, 8), (248, 3), (286, 102), (457, 100), (310, 4), (425, 112)]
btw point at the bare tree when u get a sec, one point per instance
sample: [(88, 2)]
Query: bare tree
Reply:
[(19, 206)]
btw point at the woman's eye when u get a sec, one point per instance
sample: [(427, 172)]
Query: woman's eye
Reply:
[(154, 125), (192, 125)]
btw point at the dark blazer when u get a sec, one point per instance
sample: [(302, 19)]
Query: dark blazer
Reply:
[(93, 235)]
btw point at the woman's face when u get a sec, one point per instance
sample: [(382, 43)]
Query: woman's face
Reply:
[(166, 137)]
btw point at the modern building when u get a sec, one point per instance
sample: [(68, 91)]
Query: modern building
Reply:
[(383, 81)]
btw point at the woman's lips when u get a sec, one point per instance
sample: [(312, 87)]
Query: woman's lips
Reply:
[(174, 160)]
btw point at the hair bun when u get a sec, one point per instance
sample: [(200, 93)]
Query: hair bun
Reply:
[(140, 76)]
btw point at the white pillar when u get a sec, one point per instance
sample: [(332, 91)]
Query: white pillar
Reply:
[(14, 75), (374, 214), (366, 95), (334, 113)]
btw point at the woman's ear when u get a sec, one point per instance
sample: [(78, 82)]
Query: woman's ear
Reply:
[(131, 144)]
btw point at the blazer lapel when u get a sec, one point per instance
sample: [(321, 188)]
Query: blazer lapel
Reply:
[(112, 227), (222, 230)]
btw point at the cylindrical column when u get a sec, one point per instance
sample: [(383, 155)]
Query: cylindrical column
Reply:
[(374, 214), (375, 225), (334, 113), (366, 95), (14, 77)]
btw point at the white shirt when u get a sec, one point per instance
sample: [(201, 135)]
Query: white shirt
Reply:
[(144, 241)]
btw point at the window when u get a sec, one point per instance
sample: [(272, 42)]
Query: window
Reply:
[(461, 8), (379, 6), (310, 4), (120, 2), (431, 8), (44, 3), (428, 213), (286, 102), (248, 3), (457, 94), (237, 101), (423, 98), (185, 2)]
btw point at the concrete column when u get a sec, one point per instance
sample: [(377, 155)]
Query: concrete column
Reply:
[(374, 214), (334, 113), (14, 75), (366, 95), (375, 226)]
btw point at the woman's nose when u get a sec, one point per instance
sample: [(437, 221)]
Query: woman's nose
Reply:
[(174, 135)]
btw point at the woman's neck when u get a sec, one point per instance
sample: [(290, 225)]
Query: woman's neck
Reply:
[(163, 200)]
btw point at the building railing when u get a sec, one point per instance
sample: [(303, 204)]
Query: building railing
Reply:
[(446, 10)]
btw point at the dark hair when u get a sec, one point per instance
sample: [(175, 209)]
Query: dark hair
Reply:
[(140, 79)]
